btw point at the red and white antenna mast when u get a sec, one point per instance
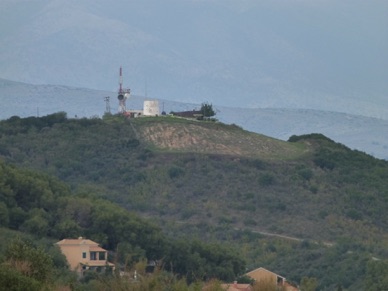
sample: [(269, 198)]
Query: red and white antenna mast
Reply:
[(123, 94), (121, 81)]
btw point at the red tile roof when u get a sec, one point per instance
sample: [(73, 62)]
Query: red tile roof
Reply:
[(96, 249), (79, 241)]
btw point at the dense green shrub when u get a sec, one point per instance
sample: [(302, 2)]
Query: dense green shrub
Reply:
[(266, 179), (13, 280), (175, 172), (376, 278), (29, 260)]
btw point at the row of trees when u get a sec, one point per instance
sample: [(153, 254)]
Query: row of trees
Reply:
[(27, 266)]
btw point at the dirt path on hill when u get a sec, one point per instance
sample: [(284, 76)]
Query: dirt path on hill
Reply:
[(328, 244)]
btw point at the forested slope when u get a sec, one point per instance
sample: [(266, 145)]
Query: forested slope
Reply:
[(39, 206), (201, 179)]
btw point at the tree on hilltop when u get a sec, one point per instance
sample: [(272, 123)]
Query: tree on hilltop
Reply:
[(207, 110)]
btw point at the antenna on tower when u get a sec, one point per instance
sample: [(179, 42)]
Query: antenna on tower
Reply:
[(123, 94), (121, 80)]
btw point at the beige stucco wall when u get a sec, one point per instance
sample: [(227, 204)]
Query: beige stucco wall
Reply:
[(263, 275), (73, 254)]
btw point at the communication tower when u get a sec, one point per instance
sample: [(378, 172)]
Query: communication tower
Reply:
[(123, 94)]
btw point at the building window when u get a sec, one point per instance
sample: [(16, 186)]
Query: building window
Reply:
[(101, 256), (84, 255), (93, 256), (280, 281)]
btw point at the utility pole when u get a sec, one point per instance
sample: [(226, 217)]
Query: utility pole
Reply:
[(107, 107)]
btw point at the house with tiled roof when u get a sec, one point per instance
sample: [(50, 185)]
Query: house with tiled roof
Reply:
[(264, 275), (84, 254)]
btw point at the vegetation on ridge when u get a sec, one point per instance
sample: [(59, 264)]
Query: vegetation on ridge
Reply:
[(311, 188)]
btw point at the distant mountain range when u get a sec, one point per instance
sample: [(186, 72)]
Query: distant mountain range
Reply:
[(366, 134), (324, 55)]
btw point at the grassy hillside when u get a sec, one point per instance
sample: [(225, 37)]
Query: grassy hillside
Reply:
[(184, 136), (218, 182)]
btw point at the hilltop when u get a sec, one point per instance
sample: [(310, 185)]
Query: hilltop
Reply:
[(364, 133), (207, 179)]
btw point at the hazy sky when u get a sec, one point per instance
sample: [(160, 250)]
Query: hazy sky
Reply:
[(273, 53)]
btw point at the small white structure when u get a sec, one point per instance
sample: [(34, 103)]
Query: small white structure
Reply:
[(151, 108)]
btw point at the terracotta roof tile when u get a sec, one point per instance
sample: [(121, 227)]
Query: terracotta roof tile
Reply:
[(79, 241)]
